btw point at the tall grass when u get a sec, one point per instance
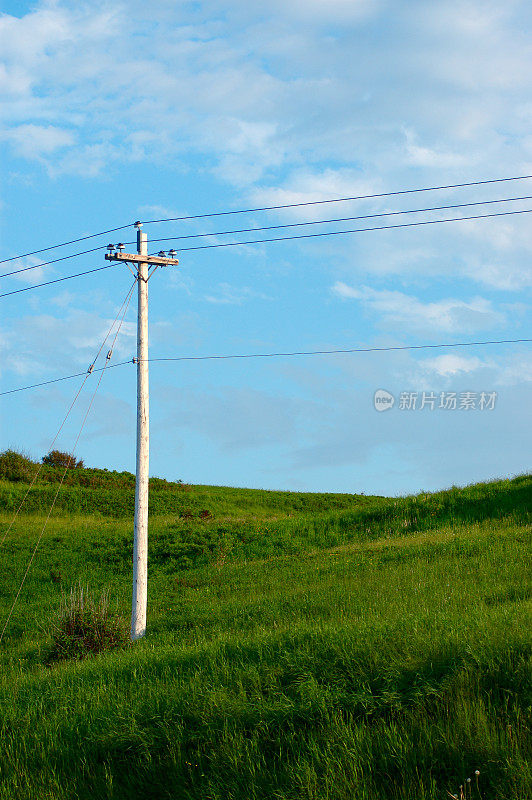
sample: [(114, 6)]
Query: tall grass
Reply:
[(86, 625), (391, 663)]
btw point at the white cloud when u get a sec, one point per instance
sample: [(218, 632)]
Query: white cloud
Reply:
[(332, 12), (36, 141), (233, 295), (516, 370), (506, 276), (40, 343), (475, 60), (259, 91), (420, 156), (32, 271), (308, 186), (488, 372), (451, 364), (399, 309), (63, 299)]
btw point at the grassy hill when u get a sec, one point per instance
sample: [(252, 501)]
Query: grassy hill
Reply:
[(300, 646)]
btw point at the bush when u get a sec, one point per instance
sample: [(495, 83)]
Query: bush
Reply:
[(86, 626), (56, 458), (15, 466)]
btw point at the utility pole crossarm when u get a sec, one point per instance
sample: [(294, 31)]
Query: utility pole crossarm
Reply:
[(141, 259)]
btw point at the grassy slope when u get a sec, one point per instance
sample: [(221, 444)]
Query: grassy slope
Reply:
[(113, 494), (300, 646)]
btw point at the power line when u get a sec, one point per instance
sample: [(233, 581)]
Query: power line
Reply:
[(353, 230), (269, 208), (56, 280), (347, 350), (64, 378), (73, 403), (69, 462), (339, 219), (277, 227), (64, 244), (285, 239), (280, 355), (53, 261), (339, 199)]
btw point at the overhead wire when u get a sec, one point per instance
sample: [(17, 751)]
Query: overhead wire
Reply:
[(277, 227), (285, 239), (57, 280), (65, 244), (69, 461), (279, 355), (86, 376), (351, 230), (52, 261), (339, 351), (234, 244), (337, 219), (270, 208), (337, 200), (65, 378)]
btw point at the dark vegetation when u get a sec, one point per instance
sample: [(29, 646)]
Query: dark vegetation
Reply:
[(86, 625), (56, 458)]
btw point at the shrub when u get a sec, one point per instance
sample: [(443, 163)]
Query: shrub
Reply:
[(15, 466), (56, 458), (86, 626)]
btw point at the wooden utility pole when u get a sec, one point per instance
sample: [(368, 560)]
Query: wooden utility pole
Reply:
[(145, 266), (140, 538)]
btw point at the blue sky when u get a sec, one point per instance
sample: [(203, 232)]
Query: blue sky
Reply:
[(113, 112)]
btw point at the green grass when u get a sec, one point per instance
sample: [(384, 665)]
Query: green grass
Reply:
[(300, 647)]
